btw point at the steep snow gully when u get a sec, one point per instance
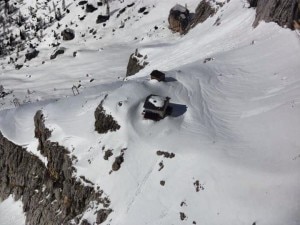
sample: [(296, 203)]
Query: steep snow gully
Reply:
[(228, 152)]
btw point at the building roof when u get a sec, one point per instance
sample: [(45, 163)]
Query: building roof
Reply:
[(155, 102)]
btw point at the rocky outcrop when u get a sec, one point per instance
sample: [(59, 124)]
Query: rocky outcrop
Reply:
[(90, 8), (68, 34), (179, 19), (31, 54), (136, 63), (59, 51), (104, 122), (285, 13), (102, 19), (203, 11), (50, 194)]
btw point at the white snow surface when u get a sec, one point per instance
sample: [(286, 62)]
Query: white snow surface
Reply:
[(235, 124), (11, 212), (157, 101)]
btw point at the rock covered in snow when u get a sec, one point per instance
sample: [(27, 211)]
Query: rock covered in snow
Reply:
[(179, 19), (136, 63), (59, 51)]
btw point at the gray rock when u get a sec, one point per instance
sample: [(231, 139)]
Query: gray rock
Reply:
[(283, 12), (104, 122), (203, 11), (31, 54), (136, 63), (117, 163), (44, 190), (179, 19), (59, 51), (102, 215), (102, 19), (68, 34)]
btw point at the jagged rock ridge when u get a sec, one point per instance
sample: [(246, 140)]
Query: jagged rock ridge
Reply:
[(50, 194)]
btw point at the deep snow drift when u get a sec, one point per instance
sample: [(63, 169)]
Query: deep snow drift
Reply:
[(234, 128)]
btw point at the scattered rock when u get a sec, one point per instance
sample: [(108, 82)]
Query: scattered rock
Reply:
[(82, 2), (162, 183), (68, 34), (117, 163), (103, 122), (198, 186), (102, 215), (18, 66), (90, 8), (165, 154), (208, 60), (32, 53), (102, 19), (141, 10), (161, 166), (57, 52), (179, 19), (108, 153), (182, 216), (136, 63)]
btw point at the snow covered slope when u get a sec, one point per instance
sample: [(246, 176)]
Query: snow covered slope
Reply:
[(234, 128)]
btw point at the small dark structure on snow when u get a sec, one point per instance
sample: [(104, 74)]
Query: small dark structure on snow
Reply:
[(156, 107), (157, 75)]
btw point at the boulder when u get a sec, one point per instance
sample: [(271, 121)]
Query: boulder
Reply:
[(117, 163), (102, 19), (284, 13), (57, 52), (136, 63), (90, 8), (179, 19), (68, 34), (31, 53)]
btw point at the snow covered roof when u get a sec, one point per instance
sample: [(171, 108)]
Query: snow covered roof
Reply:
[(155, 102)]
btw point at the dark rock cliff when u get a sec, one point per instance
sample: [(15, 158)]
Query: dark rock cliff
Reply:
[(50, 194), (285, 13)]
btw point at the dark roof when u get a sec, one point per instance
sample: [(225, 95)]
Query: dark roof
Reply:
[(149, 105), (157, 74)]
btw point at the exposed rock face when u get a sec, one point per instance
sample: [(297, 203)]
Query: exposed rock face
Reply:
[(102, 19), (136, 63), (117, 163), (31, 54), (49, 193), (59, 51), (104, 122), (203, 11), (179, 19), (285, 13), (102, 215), (90, 8), (68, 34)]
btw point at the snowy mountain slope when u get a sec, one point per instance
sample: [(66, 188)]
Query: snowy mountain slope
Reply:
[(234, 128)]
